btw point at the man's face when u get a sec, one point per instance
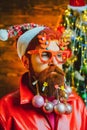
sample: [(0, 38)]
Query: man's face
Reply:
[(49, 72), (38, 65)]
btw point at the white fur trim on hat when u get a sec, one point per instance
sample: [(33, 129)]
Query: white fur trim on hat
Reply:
[(79, 8), (26, 38), (78, 5)]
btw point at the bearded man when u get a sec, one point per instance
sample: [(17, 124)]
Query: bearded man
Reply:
[(44, 100)]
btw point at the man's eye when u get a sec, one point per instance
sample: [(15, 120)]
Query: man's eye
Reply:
[(45, 55), (59, 55)]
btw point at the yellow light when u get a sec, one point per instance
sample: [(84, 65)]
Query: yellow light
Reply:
[(77, 84), (76, 49), (82, 55), (85, 48)]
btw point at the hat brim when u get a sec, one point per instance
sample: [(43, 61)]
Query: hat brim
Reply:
[(26, 38), (79, 8)]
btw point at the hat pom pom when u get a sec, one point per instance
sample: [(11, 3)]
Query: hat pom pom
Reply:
[(3, 35)]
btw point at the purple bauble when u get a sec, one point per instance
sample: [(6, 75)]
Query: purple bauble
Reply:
[(38, 101), (60, 108)]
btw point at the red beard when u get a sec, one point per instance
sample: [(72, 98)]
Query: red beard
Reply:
[(53, 76)]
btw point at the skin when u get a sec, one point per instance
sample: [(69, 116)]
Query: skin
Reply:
[(39, 66)]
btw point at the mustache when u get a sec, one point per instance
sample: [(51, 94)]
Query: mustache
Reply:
[(51, 70), (53, 76)]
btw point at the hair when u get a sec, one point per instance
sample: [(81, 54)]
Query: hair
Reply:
[(50, 33)]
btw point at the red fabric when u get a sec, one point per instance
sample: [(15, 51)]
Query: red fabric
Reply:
[(17, 113), (77, 3)]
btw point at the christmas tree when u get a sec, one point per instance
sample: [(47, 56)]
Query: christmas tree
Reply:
[(75, 22)]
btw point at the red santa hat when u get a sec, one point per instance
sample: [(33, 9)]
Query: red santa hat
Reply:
[(77, 5), (25, 33)]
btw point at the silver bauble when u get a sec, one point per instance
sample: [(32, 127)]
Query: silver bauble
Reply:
[(48, 107), (68, 108), (60, 108)]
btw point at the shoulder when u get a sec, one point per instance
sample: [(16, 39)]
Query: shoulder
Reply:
[(9, 99), (75, 96), (7, 103), (77, 101)]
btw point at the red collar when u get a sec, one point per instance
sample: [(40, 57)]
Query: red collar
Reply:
[(25, 94)]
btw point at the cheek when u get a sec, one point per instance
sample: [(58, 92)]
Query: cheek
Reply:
[(56, 63), (37, 65), (60, 66)]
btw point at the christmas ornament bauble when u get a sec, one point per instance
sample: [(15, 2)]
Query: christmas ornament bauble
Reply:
[(84, 69), (38, 101), (48, 107), (68, 108), (55, 101), (60, 108), (84, 95)]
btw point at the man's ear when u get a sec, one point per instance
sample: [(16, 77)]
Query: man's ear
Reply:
[(25, 62)]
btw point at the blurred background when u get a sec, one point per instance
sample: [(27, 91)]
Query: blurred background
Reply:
[(14, 12)]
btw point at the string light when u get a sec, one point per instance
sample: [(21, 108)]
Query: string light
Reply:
[(77, 22)]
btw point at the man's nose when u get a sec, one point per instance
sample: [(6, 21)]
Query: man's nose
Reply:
[(53, 61)]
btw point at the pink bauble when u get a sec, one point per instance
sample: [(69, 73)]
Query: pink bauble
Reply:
[(55, 101), (38, 101)]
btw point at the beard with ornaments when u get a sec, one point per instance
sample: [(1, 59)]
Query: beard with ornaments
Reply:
[(52, 92)]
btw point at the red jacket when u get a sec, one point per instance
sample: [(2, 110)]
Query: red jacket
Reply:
[(17, 113)]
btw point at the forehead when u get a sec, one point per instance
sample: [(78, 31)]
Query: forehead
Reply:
[(53, 45)]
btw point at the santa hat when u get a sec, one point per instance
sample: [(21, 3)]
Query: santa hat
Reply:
[(77, 5), (25, 33)]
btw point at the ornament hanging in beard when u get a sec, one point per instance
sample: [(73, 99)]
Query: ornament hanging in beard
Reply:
[(52, 95), (52, 76)]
